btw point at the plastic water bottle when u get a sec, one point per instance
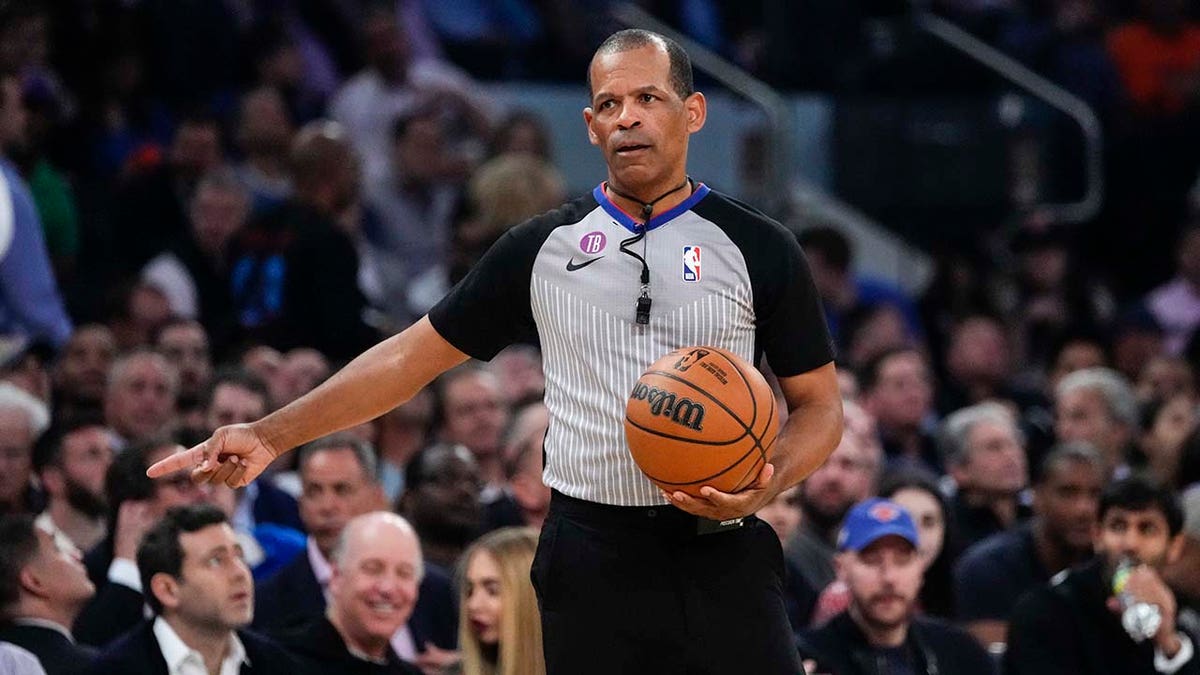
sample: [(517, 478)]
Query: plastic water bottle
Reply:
[(1140, 619)]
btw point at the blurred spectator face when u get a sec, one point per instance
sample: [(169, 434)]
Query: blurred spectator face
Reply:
[(387, 52), (196, 149), (783, 513), (979, 352), (146, 308), (234, 404), (421, 151), (1083, 415), (374, 584), (301, 371), (903, 394), (216, 215), (29, 373), (59, 566), (78, 476), (475, 412), (927, 515), (16, 454), (845, 479), (214, 590), (82, 369), (283, 67), (1045, 268), (335, 489), (13, 115), (1143, 536), (1163, 443), (1166, 377), (883, 330), (446, 502), (266, 363), (1075, 356), (140, 401), (995, 460), (1068, 500), (519, 369), (523, 134), (186, 346), (265, 126), (1134, 348), (883, 579), (484, 601)]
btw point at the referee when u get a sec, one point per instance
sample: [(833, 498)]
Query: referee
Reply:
[(629, 580)]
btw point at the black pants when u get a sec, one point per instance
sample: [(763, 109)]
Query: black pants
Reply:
[(630, 590)]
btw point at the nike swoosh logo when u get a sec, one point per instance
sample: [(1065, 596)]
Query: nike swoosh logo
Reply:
[(571, 266)]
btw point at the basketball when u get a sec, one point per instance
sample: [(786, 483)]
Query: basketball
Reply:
[(701, 416)]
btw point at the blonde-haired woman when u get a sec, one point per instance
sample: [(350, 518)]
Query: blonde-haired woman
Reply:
[(499, 630)]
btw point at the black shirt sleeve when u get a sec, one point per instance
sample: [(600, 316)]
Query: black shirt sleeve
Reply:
[(791, 330), (490, 308)]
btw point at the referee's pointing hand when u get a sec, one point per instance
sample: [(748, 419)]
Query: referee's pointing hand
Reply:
[(234, 455)]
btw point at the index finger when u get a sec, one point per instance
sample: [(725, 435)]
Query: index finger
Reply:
[(188, 459)]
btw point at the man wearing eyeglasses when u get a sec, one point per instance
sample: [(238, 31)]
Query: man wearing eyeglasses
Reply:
[(202, 595)]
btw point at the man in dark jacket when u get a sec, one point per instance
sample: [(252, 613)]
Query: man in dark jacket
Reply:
[(42, 588), (202, 594), (878, 633), (1074, 625)]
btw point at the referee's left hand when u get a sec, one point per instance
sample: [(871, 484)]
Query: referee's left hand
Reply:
[(716, 505)]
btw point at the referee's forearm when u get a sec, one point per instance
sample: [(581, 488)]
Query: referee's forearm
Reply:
[(807, 439), (376, 381)]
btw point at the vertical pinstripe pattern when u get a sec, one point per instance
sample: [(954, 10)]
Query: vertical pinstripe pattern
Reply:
[(592, 360)]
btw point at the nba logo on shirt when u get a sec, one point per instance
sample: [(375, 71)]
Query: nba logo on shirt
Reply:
[(691, 263)]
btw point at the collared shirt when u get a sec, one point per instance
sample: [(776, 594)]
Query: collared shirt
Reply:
[(402, 641), (183, 660)]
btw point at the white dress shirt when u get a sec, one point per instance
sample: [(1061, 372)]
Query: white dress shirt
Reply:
[(183, 660)]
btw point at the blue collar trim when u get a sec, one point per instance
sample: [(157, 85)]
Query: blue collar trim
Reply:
[(631, 224)]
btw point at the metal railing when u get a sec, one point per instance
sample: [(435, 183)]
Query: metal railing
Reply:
[(1052, 94)]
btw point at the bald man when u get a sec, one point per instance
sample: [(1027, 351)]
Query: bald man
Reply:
[(377, 568)]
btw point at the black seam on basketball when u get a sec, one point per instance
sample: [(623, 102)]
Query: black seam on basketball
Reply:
[(754, 468), (720, 473), (661, 434), (749, 389), (749, 431)]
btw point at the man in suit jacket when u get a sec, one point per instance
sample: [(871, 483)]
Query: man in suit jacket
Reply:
[(43, 586), (202, 593), (376, 569), (339, 477)]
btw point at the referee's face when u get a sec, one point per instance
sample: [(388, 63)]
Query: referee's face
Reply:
[(639, 122)]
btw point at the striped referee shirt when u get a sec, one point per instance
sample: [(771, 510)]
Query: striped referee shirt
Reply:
[(721, 274)]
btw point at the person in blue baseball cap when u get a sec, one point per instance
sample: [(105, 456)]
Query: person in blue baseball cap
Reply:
[(881, 632)]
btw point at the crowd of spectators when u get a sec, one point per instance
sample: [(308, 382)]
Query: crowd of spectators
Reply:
[(213, 205)]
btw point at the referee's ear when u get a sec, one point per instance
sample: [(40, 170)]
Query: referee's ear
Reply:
[(588, 115), (697, 111)]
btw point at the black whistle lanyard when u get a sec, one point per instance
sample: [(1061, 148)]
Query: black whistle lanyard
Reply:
[(643, 301)]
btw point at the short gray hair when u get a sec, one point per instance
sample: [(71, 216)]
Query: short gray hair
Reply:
[(1075, 452), (116, 371), (13, 397), (363, 452), (956, 429), (1112, 387), (343, 541)]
